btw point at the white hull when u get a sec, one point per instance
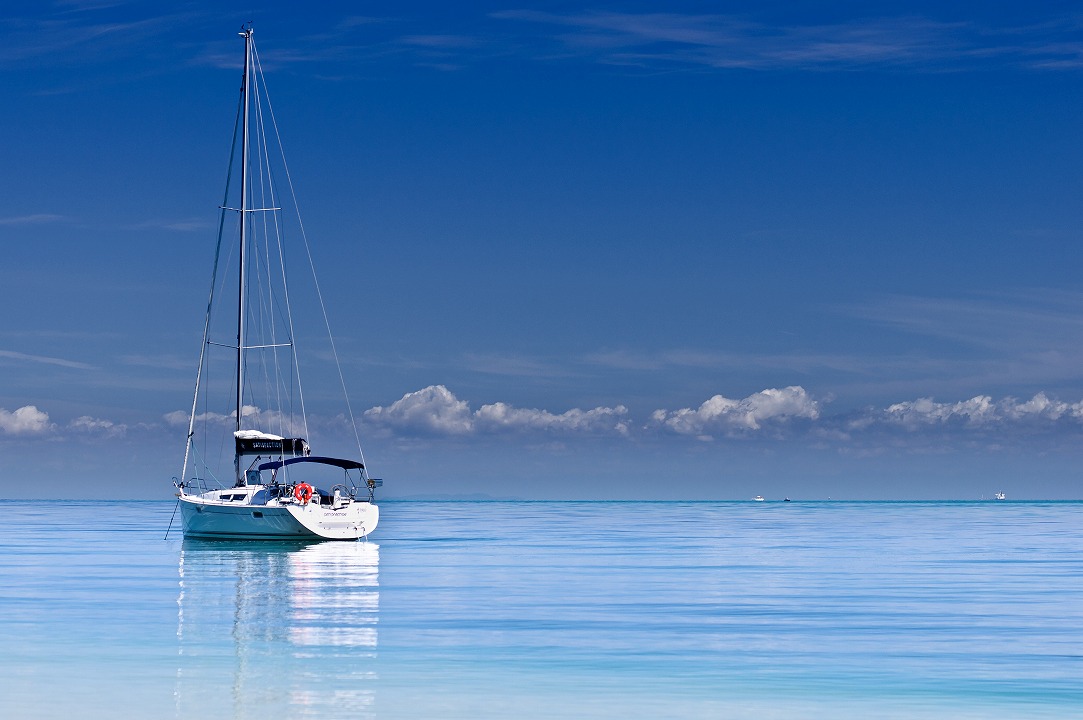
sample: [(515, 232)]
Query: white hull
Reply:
[(209, 517)]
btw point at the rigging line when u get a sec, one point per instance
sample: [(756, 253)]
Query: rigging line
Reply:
[(319, 294), (257, 321), (262, 262), (219, 436), (267, 195), (295, 366), (273, 380), (254, 329), (282, 264), (171, 518), (210, 298), (225, 270), (207, 468)]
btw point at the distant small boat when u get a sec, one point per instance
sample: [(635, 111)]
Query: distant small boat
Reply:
[(758, 498), (998, 496)]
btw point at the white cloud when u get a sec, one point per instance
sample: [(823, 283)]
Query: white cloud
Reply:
[(177, 418), (501, 416), (98, 426), (433, 409), (1041, 406), (980, 411), (722, 414), (436, 410), (27, 420), (975, 411), (254, 418)]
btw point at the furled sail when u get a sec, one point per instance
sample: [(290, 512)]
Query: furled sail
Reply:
[(254, 442)]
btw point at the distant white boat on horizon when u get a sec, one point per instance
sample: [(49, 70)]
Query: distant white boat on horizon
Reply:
[(998, 495), (758, 498)]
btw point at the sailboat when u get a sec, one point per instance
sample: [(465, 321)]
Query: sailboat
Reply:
[(276, 488)]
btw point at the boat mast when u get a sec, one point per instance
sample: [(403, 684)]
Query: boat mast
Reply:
[(247, 34)]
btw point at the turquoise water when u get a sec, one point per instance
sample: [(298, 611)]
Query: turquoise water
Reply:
[(551, 610)]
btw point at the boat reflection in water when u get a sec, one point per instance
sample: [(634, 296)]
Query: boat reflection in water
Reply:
[(277, 629)]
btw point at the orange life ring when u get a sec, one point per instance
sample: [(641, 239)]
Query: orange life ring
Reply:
[(303, 493)]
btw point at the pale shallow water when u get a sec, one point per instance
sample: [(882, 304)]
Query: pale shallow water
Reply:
[(551, 610)]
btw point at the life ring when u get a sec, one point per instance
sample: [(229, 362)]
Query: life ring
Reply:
[(303, 493)]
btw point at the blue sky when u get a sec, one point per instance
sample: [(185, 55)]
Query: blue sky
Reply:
[(612, 250)]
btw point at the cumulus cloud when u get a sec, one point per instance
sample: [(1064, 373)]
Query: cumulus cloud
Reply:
[(980, 412), (177, 418), (27, 420), (772, 406), (436, 410), (97, 426), (501, 416)]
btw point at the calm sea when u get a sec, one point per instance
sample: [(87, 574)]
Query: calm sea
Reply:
[(551, 610)]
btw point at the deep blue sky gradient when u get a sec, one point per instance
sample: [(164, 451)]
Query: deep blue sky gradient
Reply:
[(566, 207)]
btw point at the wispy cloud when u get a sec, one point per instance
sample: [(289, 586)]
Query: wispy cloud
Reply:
[(189, 225), (163, 362), (91, 32), (726, 41), (1025, 338), (636, 360), (35, 219), (516, 366), (355, 21), (24, 357), (439, 41), (1034, 318), (994, 343), (68, 38)]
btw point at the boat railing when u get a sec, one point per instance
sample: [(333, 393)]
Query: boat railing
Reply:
[(198, 486)]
